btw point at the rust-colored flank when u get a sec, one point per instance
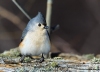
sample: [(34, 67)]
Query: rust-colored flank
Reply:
[(21, 45)]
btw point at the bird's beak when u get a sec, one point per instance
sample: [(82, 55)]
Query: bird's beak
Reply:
[(46, 27)]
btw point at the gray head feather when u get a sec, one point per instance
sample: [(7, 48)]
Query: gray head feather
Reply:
[(39, 18), (31, 24)]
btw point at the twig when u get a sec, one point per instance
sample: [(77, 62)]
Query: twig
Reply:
[(48, 13), (23, 11)]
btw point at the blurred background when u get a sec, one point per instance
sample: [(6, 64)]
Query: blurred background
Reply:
[(79, 22)]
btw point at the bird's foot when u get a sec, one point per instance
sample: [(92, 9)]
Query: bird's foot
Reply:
[(41, 59), (22, 58)]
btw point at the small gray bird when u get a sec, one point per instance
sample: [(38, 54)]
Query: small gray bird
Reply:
[(35, 38)]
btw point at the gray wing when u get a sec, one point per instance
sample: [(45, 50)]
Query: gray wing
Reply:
[(48, 35), (24, 33)]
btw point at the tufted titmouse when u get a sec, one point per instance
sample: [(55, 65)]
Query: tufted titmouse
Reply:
[(35, 38)]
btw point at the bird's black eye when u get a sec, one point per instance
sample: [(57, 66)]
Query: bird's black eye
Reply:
[(39, 24)]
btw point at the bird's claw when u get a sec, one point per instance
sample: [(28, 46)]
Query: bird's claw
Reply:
[(41, 60)]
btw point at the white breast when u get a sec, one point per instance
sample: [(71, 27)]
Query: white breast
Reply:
[(35, 43)]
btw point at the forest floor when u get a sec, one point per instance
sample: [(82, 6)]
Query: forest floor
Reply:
[(57, 62)]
